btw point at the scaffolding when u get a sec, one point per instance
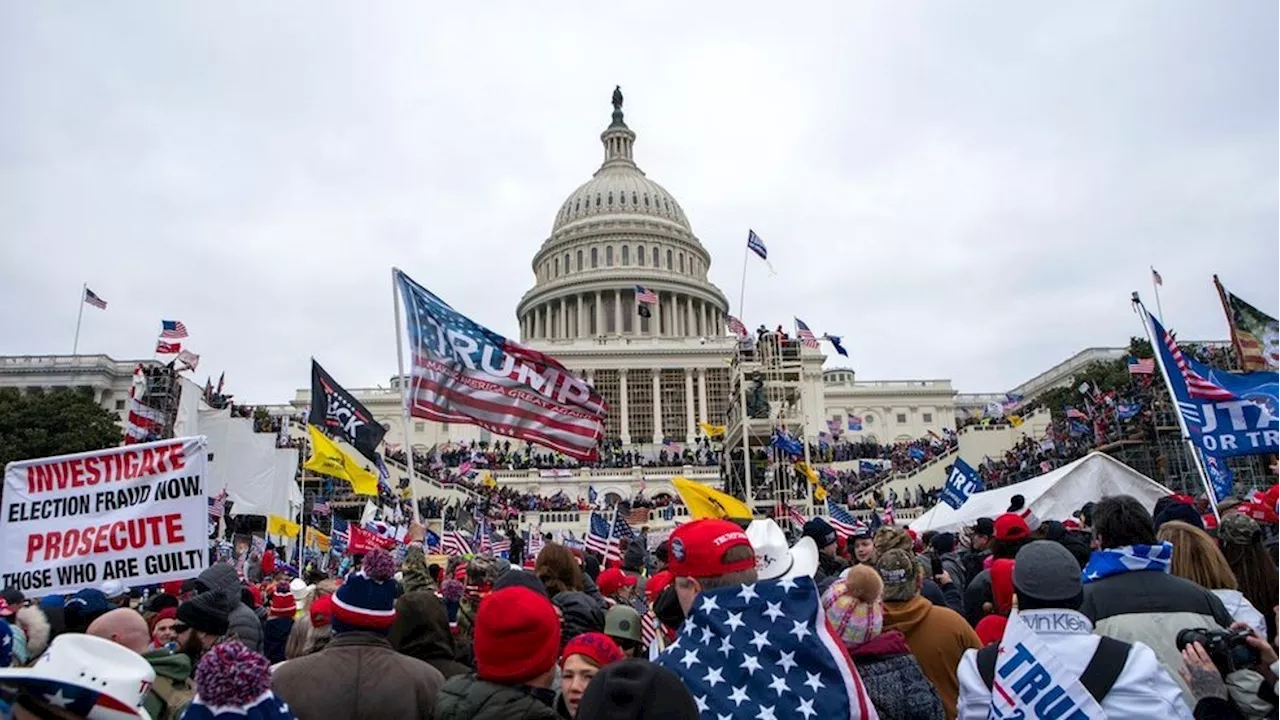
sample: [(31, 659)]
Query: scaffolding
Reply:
[(163, 391), (765, 397)]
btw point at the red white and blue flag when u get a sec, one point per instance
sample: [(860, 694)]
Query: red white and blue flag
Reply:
[(172, 329), (806, 335), (92, 298), (766, 650), (646, 296), (844, 521), (465, 373)]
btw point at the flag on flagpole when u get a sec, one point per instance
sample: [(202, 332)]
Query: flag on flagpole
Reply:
[(1155, 277), (1142, 366), (736, 327), (168, 348), (756, 245), (172, 329), (92, 298), (329, 459), (806, 335), (646, 296), (835, 343)]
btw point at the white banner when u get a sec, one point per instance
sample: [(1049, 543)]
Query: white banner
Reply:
[(137, 514), (1030, 681)]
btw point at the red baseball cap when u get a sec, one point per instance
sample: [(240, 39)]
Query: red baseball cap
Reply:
[(697, 548), (1011, 526), (613, 579), (656, 584)]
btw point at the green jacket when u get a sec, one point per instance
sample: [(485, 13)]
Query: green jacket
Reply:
[(466, 697), (173, 689)]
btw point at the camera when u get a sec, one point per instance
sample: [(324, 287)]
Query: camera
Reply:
[(1227, 648)]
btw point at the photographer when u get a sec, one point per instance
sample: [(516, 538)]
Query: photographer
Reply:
[(1248, 691)]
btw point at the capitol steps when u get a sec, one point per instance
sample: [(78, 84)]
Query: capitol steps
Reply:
[(427, 486)]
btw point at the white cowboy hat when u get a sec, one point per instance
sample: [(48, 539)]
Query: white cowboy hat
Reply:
[(774, 559), (88, 676)]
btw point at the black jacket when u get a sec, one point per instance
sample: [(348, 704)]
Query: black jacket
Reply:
[(466, 697), (421, 630)]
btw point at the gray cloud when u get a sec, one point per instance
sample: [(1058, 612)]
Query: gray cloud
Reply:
[(965, 191)]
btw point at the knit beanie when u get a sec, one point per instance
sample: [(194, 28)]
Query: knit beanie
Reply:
[(990, 629), (366, 602), (854, 606), (637, 690), (206, 612), (169, 613), (517, 636), (234, 682), (599, 648), (283, 603)]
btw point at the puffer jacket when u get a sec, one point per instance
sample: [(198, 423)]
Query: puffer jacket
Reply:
[(896, 685), (580, 614), (244, 624), (466, 697)]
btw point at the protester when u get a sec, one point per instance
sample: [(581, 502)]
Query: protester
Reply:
[(581, 659), (1126, 679), (78, 675), (824, 536), (1197, 558), (161, 625), (1240, 538), (242, 622), (421, 630), (202, 622), (389, 686), (623, 625), (279, 624), (990, 592), (172, 691), (636, 690)]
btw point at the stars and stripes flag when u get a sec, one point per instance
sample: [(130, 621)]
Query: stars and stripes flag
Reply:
[(736, 327), (1198, 387), (1142, 366), (320, 507), (648, 628), (843, 521), (164, 347), (646, 296), (756, 245), (603, 539), (888, 516), (454, 541), (218, 505), (766, 651), (806, 335), (465, 373), (534, 544), (92, 298), (173, 329), (499, 544), (1155, 277)]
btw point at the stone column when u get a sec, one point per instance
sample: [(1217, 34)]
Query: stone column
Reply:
[(582, 316), (689, 426), (702, 394), (617, 311), (625, 425), (597, 313), (689, 327), (635, 320), (564, 319), (657, 406)]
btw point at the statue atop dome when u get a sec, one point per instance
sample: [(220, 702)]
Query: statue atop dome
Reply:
[(617, 106)]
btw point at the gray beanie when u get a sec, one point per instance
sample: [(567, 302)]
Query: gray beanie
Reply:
[(1047, 571)]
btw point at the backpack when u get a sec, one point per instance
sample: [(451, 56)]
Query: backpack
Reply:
[(1099, 675), (176, 696)]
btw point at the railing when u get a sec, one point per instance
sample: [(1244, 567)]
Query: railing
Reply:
[(680, 514), (430, 480)]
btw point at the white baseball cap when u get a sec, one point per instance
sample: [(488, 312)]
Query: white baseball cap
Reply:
[(87, 675), (774, 559)]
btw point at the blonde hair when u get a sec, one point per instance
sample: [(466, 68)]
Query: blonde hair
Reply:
[(1196, 556)]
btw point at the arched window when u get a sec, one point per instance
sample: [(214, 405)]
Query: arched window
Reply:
[(681, 262), (626, 255), (566, 263), (557, 267), (670, 266), (594, 258), (610, 197), (579, 260), (655, 258), (640, 254), (608, 256), (597, 199)]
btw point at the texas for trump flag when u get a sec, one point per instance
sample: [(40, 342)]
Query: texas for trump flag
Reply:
[(466, 373)]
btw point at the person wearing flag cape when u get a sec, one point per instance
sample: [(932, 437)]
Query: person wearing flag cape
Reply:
[(1050, 664)]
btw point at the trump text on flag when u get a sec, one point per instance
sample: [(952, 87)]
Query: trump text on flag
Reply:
[(137, 514)]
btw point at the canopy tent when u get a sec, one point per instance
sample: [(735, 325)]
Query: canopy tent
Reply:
[(1052, 496)]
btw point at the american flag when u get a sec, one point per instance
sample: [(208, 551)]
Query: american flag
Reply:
[(1198, 387), (500, 386), (765, 651), (173, 329), (843, 521), (454, 541), (1155, 277), (92, 298), (218, 505), (736, 327), (806, 335), (648, 628), (1075, 414), (646, 296), (499, 543), (534, 545), (601, 541), (1143, 366), (320, 507), (888, 517)]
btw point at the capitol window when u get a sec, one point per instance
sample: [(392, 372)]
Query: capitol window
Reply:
[(902, 418), (927, 417), (557, 267), (608, 256), (646, 199), (655, 258), (611, 198), (634, 201), (681, 262), (670, 265), (626, 255), (594, 256), (579, 259), (640, 255), (597, 199)]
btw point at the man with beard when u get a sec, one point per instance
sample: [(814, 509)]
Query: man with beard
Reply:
[(202, 623), (824, 536)]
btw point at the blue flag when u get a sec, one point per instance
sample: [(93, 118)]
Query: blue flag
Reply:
[(1220, 477), (787, 444), (961, 483), (1124, 411), (835, 343)]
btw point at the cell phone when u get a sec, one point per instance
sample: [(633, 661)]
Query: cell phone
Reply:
[(937, 565)]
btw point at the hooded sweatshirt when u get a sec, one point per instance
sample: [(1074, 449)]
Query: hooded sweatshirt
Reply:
[(244, 624), (173, 689), (421, 630), (937, 637)]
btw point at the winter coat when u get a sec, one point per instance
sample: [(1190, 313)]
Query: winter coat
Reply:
[(1242, 610), (896, 685), (275, 635), (581, 614), (357, 676), (173, 689), (243, 623), (421, 631), (466, 697), (938, 638), (952, 565)]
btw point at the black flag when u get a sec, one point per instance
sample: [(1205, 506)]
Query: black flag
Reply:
[(335, 410)]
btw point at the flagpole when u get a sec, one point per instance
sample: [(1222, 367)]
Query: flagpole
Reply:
[(1196, 458), (75, 346), (1231, 324), (1155, 287), (742, 287), (404, 398)]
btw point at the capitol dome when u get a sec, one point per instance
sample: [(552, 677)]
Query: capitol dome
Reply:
[(616, 236)]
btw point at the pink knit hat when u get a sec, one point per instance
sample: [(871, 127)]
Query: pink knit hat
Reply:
[(854, 606)]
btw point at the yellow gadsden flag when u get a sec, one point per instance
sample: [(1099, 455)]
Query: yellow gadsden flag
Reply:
[(706, 502), (711, 431), (317, 540), (280, 527), (329, 459)]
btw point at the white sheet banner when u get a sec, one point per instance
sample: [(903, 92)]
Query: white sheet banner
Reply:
[(1030, 681), (137, 514)]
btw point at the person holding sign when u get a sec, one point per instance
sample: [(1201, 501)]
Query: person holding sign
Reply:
[(1050, 664)]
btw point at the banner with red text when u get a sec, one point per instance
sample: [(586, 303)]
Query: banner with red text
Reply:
[(137, 514)]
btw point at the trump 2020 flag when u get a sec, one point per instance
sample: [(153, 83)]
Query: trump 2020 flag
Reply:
[(766, 651), (464, 372), (961, 483)]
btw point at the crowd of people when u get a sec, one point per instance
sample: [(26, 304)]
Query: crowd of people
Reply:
[(1118, 611)]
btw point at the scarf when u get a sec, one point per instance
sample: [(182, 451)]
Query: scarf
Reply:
[(1127, 558)]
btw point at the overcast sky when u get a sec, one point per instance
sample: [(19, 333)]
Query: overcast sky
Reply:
[(962, 190)]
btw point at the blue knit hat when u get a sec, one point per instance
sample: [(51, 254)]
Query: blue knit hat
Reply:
[(233, 681), (366, 602)]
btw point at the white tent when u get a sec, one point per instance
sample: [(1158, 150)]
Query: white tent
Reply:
[(1052, 496)]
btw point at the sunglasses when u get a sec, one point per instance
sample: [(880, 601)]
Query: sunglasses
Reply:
[(180, 628)]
